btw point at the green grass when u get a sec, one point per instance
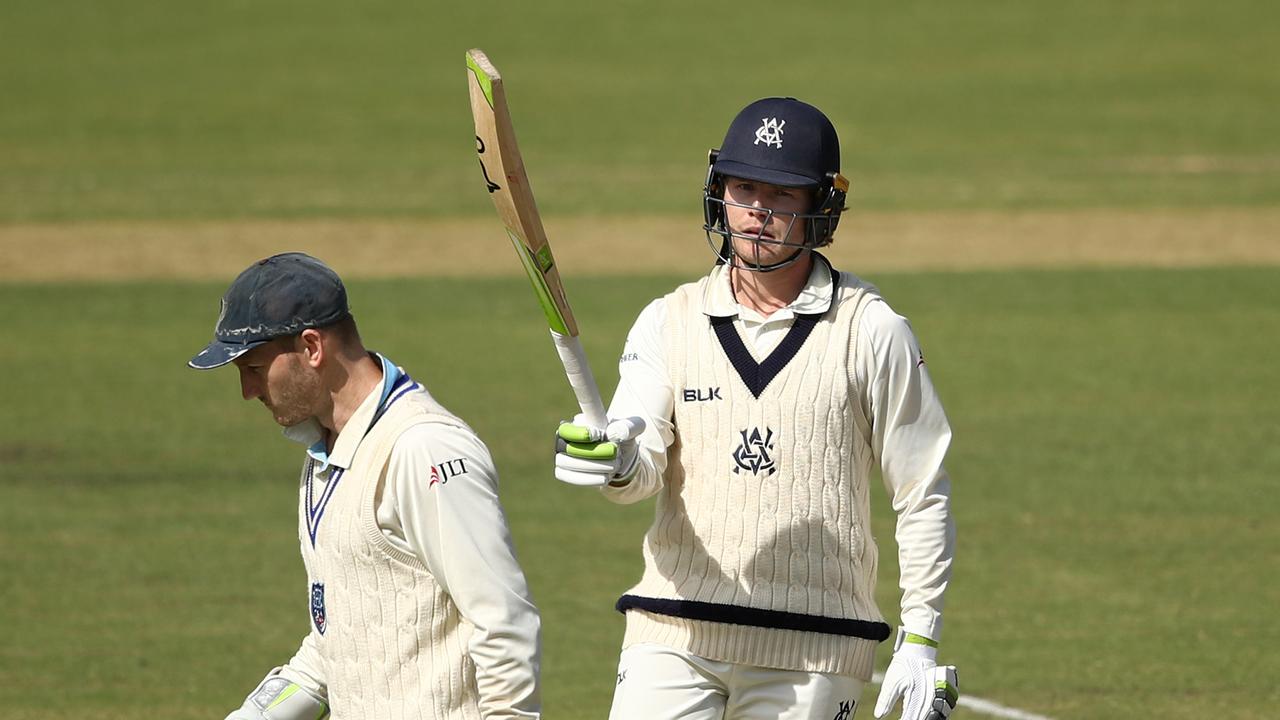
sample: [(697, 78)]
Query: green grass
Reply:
[(142, 109), (1116, 444)]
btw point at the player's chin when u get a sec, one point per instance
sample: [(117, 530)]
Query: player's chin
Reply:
[(286, 419), (763, 253)]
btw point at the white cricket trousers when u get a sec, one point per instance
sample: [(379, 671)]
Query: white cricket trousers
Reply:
[(661, 683)]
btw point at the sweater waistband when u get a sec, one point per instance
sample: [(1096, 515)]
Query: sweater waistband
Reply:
[(756, 617)]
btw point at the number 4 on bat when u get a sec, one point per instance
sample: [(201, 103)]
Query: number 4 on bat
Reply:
[(493, 186)]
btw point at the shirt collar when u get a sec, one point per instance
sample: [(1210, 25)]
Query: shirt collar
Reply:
[(310, 433), (814, 298)]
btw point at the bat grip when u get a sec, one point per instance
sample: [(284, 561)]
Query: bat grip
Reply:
[(578, 370)]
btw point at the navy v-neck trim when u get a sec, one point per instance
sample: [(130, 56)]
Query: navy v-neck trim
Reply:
[(757, 376)]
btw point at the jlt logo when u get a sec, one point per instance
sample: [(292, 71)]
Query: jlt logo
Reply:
[(700, 395), (753, 454), (440, 474), (770, 133)]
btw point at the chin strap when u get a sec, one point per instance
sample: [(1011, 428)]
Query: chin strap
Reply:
[(739, 262)]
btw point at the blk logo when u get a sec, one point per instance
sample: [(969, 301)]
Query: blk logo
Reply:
[(700, 395), (770, 132), (753, 455), (440, 474), (845, 710)]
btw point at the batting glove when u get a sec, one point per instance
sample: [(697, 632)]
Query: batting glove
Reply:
[(278, 698), (594, 456), (927, 691)]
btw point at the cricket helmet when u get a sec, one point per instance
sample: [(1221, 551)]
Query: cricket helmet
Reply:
[(780, 141)]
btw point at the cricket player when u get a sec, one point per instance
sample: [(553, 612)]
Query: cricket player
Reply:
[(769, 391), (416, 604)]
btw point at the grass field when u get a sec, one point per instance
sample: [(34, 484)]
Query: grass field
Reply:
[(143, 108), (1113, 461), (1100, 183)]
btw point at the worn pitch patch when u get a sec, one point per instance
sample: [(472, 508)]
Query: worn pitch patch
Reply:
[(865, 242)]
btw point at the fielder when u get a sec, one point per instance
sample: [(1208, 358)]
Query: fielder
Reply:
[(416, 604), (769, 390)]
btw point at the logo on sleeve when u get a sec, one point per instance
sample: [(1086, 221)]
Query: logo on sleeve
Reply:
[(445, 471), (700, 395), (753, 455), (317, 607), (844, 710)]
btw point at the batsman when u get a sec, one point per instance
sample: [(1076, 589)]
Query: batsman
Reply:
[(769, 391)]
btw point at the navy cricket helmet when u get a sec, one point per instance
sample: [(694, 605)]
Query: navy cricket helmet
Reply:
[(780, 141)]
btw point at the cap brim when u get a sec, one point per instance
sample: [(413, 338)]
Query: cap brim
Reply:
[(219, 353), (773, 177)]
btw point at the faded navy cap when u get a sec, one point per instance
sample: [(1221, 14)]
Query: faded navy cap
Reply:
[(781, 141), (275, 297)]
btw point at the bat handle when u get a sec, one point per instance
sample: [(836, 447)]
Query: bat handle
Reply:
[(578, 370)]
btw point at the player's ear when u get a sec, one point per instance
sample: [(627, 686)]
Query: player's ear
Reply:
[(312, 346)]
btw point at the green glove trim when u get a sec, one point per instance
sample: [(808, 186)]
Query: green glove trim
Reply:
[(920, 640), (574, 433), (285, 695), (953, 695), (592, 451)]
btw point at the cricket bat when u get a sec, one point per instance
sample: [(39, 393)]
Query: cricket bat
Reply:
[(508, 185)]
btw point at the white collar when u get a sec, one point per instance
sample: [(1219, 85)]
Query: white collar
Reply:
[(814, 298), (309, 432)]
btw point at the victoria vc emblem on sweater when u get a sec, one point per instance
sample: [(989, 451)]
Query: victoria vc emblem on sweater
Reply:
[(753, 455)]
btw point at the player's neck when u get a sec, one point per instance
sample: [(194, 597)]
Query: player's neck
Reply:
[(768, 292), (350, 383)]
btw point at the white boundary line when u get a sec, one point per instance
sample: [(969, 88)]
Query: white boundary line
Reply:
[(984, 707)]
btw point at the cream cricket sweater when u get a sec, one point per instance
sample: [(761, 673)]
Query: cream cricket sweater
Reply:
[(760, 550), (391, 641)]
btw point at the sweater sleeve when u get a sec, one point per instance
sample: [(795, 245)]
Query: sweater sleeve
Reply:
[(644, 391), (306, 668), (455, 524), (910, 436)]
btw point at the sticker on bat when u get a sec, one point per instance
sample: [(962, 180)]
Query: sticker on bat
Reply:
[(493, 186)]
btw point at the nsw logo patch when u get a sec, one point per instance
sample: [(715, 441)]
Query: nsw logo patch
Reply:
[(317, 607), (754, 454)]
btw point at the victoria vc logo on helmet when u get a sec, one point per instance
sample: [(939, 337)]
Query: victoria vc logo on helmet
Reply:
[(770, 132)]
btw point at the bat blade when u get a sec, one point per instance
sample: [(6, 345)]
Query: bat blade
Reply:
[(508, 187)]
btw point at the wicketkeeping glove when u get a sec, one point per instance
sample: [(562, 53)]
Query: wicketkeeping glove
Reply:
[(278, 698), (595, 456), (928, 691)]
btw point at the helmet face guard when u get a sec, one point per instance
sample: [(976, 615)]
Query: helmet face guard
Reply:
[(819, 226), (784, 142)]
